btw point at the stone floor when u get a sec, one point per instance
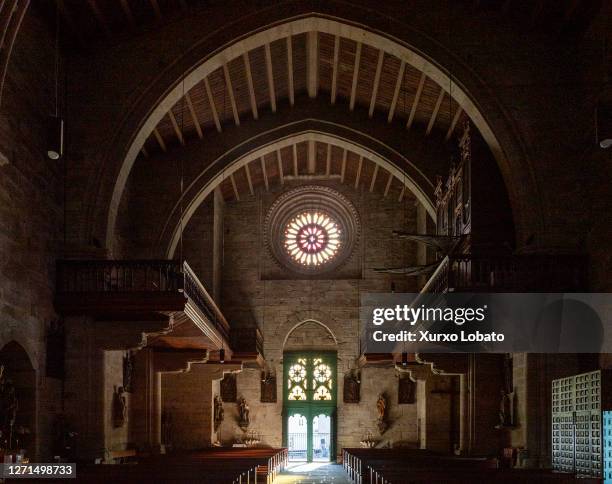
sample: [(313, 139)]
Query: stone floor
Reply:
[(312, 473)]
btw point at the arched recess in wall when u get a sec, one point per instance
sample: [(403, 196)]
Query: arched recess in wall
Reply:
[(310, 335), (517, 173), (18, 421), (222, 168)]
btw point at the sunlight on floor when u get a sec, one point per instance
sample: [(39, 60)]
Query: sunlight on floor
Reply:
[(312, 473), (304, 466)]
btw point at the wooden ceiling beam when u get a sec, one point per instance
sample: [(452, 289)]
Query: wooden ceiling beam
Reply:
[(270, 72), (434, 114), (279, 160), (358, 176), (381, 58), (374, 177), (415, 102), (334, 84), (211, 101), (312, 64), (453, 124), (401, 195), (290, 70), (312, 157), (398, 85), (234, 186), (249, 76), (264, 172), (100, 17), (160, 140), (175, 125), (127, 11), (194, 116), (249, 179), (144, 151), (388, 186), (295, 160), (355, 76), (343, 168), (230, 91)]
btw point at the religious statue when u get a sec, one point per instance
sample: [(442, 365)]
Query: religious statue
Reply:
[(381, 407), (119, 408), (218, 412), (128, 371), (506, 411), (506, 404), (244, 412)]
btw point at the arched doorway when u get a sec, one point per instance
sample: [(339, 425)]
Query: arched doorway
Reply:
[(309, 405), (18, 399), (310, 381)]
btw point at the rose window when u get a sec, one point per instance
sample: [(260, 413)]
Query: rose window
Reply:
[(312, 238)]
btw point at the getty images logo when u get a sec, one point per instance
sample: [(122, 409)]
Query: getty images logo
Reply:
[(411, 315)]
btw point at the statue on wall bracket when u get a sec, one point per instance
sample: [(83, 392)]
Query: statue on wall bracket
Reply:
[(381, 408), (244, 414), (218, 412)]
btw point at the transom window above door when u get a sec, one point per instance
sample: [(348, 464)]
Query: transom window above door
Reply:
[(310, 378)]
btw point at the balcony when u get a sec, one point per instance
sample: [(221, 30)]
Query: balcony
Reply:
[(138, 290), (511, 273)]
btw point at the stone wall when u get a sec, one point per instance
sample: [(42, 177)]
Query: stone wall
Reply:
[(279, 305), (31, 220)]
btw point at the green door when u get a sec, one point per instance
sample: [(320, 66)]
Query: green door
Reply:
[(309, 391)]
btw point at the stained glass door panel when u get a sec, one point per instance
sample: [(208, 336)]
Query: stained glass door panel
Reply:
[(309, 390)]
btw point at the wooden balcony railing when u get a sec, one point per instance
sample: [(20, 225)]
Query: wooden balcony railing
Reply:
[(512, 273), (196, 292), (117, 286), (107, 276)]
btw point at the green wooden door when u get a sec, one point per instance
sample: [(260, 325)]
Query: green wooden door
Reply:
[(309, 405)]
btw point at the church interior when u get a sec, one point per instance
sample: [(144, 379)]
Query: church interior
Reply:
[(195, 196)]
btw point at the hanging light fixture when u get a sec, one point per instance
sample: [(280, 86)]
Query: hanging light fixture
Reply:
[(55, 124), (55, 137)]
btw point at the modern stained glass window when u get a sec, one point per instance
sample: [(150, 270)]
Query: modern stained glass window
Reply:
[(312, 238)]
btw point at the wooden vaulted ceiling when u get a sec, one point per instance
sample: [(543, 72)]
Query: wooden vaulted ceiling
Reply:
[(342, 70), (352, 74), (311, 161)]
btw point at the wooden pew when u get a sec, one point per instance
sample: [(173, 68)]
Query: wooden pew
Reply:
[(411, 466), (208, 466)]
